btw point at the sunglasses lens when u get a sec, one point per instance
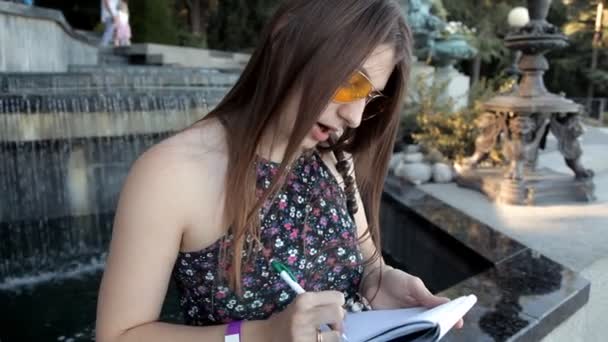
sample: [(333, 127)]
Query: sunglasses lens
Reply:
[(358, 87)]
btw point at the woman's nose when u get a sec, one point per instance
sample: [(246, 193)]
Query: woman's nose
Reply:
[(352, 112)]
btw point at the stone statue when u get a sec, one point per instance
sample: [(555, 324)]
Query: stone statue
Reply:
[(513, 146), (522, 142), (532, 134), (425, 26), (490, 126), (432, 42), (566, 127)]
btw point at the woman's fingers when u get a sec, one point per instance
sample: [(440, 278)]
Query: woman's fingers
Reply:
[(329, 314), (320, 308), (322, 298)]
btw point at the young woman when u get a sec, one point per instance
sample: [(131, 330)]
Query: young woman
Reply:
[(288, 167)]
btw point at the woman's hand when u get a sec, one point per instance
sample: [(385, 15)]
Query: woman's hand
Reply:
[(302, 318), (401, 290)]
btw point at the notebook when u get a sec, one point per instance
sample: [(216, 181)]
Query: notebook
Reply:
[(412, 324)]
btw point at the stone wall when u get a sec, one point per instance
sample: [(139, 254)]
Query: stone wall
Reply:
[(73, 163), (37, 39), (191, 57)]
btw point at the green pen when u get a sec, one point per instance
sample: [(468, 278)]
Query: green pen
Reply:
[(288, 276)]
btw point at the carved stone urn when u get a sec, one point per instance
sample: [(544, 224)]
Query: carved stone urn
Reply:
[(538, 9)]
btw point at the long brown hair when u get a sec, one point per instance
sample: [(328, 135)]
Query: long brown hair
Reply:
[(311, 45)]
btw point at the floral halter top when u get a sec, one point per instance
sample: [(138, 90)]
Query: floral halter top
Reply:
[(306, 226)]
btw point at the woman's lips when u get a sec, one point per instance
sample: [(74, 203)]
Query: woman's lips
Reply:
[(320, 132)]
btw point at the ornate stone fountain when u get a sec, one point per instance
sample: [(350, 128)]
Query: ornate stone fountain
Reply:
[(438, 49), (520, 121), (433, 42)]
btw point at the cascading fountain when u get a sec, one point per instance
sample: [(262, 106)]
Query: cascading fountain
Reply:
[(67, 141)]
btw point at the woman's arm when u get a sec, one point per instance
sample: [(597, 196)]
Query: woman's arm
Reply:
[(254, 331), (372, 271), (396, 288), (152, 214), (384, 286)]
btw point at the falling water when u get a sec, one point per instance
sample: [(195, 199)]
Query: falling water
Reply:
[(66, 143)]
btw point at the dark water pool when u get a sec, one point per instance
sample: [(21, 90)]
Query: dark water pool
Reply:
[(61, 310), (64, 309)]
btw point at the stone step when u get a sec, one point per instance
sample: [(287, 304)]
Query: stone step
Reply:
[(111, 59), (96, 101), (106, 78)]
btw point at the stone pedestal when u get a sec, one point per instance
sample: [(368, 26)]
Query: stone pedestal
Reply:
[(457, 85), (540, 187), (419, 71), (521, 136)]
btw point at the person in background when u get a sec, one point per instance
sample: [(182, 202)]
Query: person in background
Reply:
[(123, 29), (109, 17)]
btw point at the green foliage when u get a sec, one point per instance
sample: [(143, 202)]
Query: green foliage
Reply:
[(452, 134), (439, 9), (599, 79), (570, 67), (422, 98), (187, 38), (237, 24), (432, 122), (153, 21), (491, 27)]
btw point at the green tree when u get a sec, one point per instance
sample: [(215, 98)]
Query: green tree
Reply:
[(153, 21), (570, 67), (491, 29), (236, 24)]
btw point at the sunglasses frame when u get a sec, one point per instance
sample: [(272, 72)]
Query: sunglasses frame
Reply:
[(373, 94)]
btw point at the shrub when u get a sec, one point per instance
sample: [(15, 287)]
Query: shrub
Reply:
[(152, 21), (431, 121)]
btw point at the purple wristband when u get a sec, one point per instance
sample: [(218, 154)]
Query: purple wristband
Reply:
[(233, 332)]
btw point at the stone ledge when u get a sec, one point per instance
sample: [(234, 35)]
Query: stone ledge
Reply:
[(60, 126), (44, 14), (523, 297), (191, 57)]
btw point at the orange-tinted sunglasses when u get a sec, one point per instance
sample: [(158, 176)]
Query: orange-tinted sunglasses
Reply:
[(358, 87)]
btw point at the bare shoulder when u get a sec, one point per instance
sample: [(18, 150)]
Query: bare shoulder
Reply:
[(184, 160), (194, 147), (184, 175)]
